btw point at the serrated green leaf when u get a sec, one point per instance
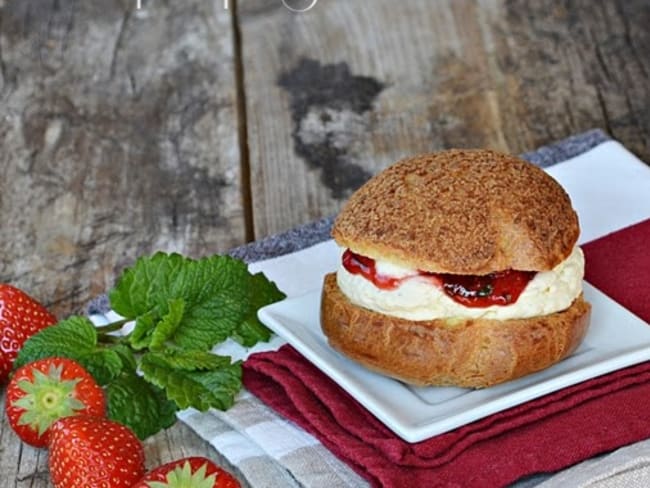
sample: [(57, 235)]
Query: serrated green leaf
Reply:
[(170, 322), (214, 290), (261, 292), (75, 333), (140, 405), (73, 338), (191, 359), (120, 297), (213, 310), (104, 364), (142, 287), (199, 389), (126, 356), (140, 336), (250, 332)]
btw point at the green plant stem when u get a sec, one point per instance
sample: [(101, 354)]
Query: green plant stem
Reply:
[(102, 330)]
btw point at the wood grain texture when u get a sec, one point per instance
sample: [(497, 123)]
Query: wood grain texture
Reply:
[(337, 93), (119, 138)]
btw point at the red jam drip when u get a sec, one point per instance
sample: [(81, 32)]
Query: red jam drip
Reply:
[(365, 266), (498, 288)]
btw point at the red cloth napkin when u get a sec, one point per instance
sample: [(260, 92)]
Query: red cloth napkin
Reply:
[(543, 435), (619, 266)]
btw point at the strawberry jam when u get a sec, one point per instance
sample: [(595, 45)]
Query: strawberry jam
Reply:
[(498, 288), (365, 266)]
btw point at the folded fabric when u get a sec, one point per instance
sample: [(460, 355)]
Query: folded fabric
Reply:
[(543, 435), (619, 266), (627, 467)]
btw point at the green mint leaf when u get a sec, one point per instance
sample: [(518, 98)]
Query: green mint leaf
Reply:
[(103, 363), (73, 338), (169, 323), (216, 301), (140, 405), (261, 292), (140, 336), (250, 332), (199, 389), (190, 359), (214, 291), (126, 356), (140, 288), (67, 336)]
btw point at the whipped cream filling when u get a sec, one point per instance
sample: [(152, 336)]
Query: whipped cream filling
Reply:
[(417, 298)]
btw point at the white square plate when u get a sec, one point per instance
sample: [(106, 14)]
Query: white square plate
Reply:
[(615, 339)]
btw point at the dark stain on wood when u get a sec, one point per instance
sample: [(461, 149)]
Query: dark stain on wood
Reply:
[(151, 134), (324, 101)]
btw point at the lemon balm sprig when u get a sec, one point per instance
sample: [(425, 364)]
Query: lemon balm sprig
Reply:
[(180, 309)]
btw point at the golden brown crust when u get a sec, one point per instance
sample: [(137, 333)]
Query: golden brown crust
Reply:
[(471, 353), (463, 212)]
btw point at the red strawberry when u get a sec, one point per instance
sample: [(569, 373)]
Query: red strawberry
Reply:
[(90, 451), (20, 318), (43, 391), (197, 472)]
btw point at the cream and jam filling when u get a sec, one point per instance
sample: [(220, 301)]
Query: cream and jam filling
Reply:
[(499, 288), (422, 295)]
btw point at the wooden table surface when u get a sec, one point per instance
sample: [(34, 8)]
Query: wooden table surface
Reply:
[(198, 125)]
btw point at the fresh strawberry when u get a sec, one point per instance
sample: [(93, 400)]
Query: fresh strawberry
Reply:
[(195, 472), (20, 318), (43, 391), (88, 451)]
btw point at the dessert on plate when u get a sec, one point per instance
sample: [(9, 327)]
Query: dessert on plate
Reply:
[(458, 268)]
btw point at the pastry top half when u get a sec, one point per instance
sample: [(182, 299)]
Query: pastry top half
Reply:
[(462, 212)]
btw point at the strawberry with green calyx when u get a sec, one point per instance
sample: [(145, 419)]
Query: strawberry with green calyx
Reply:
[(194, 472), (20, 318), (44, 391), (86, 451)]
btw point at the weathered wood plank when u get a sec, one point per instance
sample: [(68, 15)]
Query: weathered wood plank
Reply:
[(118, 133), (338, 92), (119, 137)]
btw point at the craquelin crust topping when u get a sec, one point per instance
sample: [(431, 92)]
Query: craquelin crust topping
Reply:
[(463, 212)]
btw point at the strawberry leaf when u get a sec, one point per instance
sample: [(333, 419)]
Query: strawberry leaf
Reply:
[(139, 405)]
